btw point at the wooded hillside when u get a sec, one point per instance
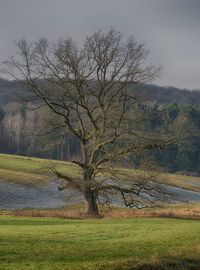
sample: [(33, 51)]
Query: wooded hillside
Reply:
[(26, 131)]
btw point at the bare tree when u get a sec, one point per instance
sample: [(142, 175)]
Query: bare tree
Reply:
[(92, 91), (13, 125)]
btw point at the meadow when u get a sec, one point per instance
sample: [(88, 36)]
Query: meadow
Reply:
[(63, 239), (30, 170), (46, 243)]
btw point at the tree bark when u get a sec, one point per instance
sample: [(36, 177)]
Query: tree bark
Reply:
[(91, 202)]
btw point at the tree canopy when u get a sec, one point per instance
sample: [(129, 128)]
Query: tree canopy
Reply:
[(91, 91)]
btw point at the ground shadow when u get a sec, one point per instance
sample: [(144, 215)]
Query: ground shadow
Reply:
[(179, 264)]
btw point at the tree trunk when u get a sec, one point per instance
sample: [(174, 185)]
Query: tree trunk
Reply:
[(91, 202)]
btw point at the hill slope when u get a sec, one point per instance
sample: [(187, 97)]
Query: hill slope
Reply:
[(10, 91), (28, 170)]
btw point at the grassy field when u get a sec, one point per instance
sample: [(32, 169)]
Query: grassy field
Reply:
[(58, 244), (37, 170), (77, 211), (32, 170), (143, 241)]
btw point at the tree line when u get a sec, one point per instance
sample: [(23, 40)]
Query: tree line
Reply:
[(22, 132)]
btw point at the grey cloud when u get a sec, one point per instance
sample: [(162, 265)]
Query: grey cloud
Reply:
[(169, 28)]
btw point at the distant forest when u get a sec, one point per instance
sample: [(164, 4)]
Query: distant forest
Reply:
[(26, 131)]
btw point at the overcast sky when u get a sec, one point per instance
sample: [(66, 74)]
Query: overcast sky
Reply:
[(169, 28)]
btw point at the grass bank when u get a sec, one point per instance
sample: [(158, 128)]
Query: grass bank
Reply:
[(46, 243), (32, 170), (37, 170), (183, 211)]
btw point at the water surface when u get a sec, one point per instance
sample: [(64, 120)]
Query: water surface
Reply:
[(20, 196)]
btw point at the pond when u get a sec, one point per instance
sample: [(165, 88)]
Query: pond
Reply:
[(20, 196)]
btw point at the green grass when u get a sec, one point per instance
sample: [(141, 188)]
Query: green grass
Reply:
[(46, 243), (37, 170), (51, 243), (32, 170)]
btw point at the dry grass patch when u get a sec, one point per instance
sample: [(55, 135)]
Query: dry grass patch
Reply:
[(187, 211), (191, 211), (23, 177)]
